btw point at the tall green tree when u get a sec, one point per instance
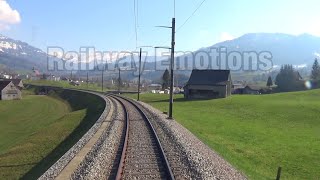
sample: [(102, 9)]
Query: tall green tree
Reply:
[(287, 79), (165, 79), (315, 73), (269, 82)]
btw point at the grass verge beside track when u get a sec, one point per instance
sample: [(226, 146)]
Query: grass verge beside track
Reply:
[(37, 130), (256, 134)]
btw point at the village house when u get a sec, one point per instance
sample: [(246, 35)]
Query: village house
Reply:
[(155, 86), (252, 90), (5, 76), (205, 84), (8, 91)]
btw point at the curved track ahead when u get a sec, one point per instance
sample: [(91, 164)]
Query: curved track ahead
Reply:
[(142, 155)]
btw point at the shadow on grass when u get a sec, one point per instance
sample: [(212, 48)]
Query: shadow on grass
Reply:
[(178, 100), (17, 165), (77, 101)]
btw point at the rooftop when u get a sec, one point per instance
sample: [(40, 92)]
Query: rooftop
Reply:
[(4, 84), (209, 77)]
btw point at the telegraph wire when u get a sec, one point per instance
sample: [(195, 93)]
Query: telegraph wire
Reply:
[(185, 22), (193, 13), (135, 9)]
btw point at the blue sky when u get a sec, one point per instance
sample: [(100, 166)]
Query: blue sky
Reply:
[(109, 25)]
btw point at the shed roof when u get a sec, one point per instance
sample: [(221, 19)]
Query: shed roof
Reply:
[(209, 77), (4, 84), (16, 82)]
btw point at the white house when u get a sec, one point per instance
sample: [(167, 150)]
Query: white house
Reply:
[(8, 91)]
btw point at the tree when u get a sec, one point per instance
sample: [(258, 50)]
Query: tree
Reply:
[(315, 74), (269, 82), (288, 79), (165, 79)]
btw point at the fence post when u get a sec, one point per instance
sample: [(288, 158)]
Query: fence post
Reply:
[(279, 173)]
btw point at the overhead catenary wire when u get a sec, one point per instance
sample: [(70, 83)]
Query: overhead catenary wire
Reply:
[(135, 10), (192, 14), (185, 22), (174, 8)]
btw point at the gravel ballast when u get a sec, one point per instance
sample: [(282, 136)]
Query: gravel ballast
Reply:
[(189, 157), (99, 162)]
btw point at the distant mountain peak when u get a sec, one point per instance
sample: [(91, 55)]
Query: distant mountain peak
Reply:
[(3, 37), (20, 55), (285, 48)]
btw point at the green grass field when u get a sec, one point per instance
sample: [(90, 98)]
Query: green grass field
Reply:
[(37, 130), (65, 84), (256, 134)]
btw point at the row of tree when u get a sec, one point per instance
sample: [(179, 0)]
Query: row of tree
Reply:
[(288, 79), (315, 73)]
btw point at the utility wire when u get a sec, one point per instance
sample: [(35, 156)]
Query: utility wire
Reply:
[(185, 22), (194, 12), (174, 8), (135, 21)]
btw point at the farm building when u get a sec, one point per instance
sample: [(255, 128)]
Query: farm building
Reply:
[(208, 84), (253, 90), (8, 91), (18, 83)]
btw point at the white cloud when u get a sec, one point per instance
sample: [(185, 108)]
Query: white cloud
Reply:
[(226, 37), (4, 27), (8, 16), (314, 29)]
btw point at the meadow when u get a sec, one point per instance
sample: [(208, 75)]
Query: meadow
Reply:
[(256, 133), (66, 84), (37, 130)]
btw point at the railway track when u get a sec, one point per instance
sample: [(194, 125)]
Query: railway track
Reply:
[(140, 154), (122, 144)]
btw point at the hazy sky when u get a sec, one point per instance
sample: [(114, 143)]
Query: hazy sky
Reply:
[(110, 25)]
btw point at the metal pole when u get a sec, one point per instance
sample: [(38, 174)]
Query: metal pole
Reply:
[(102, 81), (119, 81), (171, 67), (87, 80), (139, 74), (278, 174)]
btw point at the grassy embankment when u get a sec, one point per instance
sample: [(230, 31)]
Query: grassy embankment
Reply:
[(37, 130), (65, 84), (256, 134)]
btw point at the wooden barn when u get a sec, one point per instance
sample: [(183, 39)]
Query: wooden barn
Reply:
[(205, 84), (8, 91)]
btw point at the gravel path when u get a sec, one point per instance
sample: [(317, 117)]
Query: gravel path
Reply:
[(187, 155)]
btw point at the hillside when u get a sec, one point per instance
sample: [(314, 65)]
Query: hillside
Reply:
[(18, 55), (285, 48), (37, 130), (257, 134)]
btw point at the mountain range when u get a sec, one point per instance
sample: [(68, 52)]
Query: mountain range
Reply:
[(286, 49)]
